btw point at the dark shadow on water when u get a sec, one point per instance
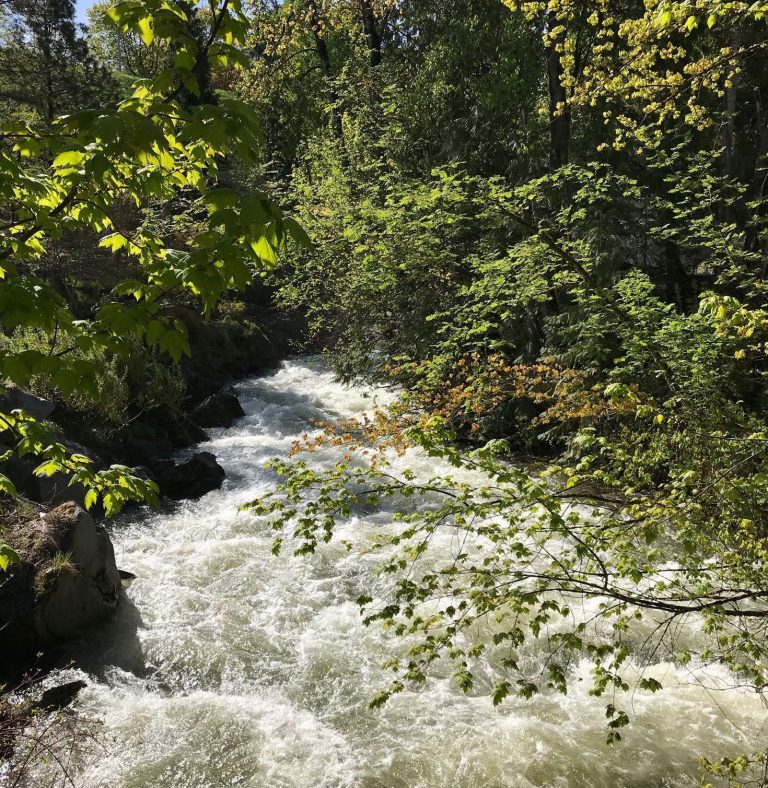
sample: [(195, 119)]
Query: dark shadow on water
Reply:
[(114, 644)]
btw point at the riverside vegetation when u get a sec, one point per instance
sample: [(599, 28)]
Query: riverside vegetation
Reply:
[(544, 223)]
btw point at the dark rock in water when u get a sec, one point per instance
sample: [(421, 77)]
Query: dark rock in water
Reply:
[(191, 478), (180, 431), (141, 451), (66, 583), (17, 617), (218, 410), (224, 351), (143, 472), (194, 432), (59, 697), (157, 434), (126, 577), (15, 398)]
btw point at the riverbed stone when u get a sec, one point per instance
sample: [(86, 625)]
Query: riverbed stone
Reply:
[(50, 490), (192, 478), (59, 697), (218, 410), (80, 592), (15, 398), (66, 583)]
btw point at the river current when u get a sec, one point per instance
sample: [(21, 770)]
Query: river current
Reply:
[(227, 666)]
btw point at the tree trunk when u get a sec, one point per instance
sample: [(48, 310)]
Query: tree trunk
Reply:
[(46, 48), (752, 239), (372, 34), (676, 280), (332, 96), (729, 127), (559, 113), (373, 42)]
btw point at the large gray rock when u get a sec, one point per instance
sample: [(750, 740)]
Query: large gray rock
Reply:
[(14, 398), (66, 583), (85, 590), (50, 490)]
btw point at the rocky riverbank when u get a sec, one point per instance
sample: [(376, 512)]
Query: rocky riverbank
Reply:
[(152, 431), (67, 580)]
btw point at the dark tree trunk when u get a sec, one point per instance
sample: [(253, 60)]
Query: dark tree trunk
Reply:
[(559, 114), (752, 240), (728, 132), (332, 96), (46, 47), (372, 33), (676, 280), (373, 43)]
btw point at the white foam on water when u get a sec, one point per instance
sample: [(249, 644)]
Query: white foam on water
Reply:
[(229, 666)]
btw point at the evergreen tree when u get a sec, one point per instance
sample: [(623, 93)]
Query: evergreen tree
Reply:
[(45, 64)]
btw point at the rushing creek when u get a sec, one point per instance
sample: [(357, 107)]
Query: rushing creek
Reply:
[(228, 666)]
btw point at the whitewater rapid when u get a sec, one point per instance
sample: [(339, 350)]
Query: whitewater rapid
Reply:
[(228, 666)]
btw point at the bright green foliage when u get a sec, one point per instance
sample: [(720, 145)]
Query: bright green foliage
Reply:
[(109, 394), (674, 531), (546, 223), (46, 67), (124, 50), (437, 83), (383, 264), (7, 556), (70, 177)]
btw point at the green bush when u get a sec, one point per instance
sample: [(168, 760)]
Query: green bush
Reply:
[(109, 402), (125, 385)]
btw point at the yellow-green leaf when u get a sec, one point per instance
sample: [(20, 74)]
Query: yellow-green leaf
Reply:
[(145, 30)]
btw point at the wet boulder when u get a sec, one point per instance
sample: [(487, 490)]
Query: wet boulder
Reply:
[(59, 697), (218, 410), (66, 583), (81, 586), (192, 478), (126, 577), (157, 433), (224, 351)]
